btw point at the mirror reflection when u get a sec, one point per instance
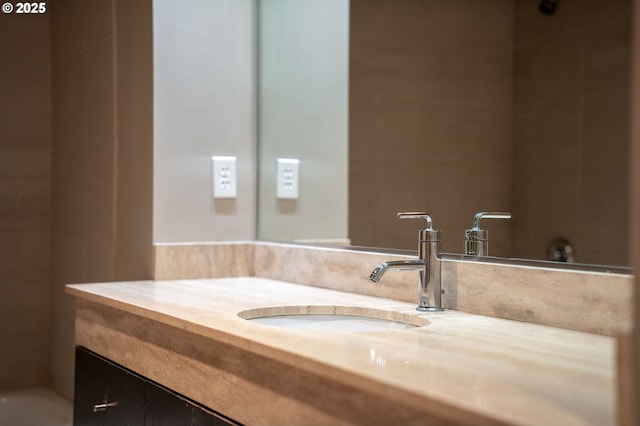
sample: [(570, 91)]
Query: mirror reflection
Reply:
[(453, 108)]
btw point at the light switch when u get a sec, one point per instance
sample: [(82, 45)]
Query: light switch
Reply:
[(224, 177), (287, 178)]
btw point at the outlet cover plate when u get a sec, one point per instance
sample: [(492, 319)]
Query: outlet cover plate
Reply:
[(288, 178), (224, 177)]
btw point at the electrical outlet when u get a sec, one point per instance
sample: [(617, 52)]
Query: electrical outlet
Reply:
[(224, 177), (287, 173)]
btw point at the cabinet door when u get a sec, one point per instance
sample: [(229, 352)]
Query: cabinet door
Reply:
[(166, 408), (106, 394), (163, 408), (214, 419), (90, 387), (127, 391)]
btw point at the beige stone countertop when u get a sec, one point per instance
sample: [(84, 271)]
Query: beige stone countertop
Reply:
[(466, 367)]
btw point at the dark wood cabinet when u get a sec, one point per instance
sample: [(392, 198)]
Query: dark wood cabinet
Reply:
[(108, 394)]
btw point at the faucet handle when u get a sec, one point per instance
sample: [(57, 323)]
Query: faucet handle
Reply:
[(477, 243), (417, 215), (488, 215), (428, 234)]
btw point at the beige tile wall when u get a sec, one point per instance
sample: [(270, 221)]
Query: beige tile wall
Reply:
[(430, 102), (25, 199), (571, 129), (83, 163), (134, 122), (102, 156), (629, 404), (444, 94)]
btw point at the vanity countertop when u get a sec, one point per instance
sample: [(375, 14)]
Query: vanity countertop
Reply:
[(468, 368)]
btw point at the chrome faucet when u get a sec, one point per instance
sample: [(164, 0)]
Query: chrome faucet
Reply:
[(428, 265), (476, 239)]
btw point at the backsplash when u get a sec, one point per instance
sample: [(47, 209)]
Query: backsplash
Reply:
[(593, 302), (175, 261)]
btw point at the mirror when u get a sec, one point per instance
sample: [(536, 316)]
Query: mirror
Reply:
[(450, 107)]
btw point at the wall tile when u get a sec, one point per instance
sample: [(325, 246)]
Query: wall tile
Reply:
[(84, 164), (98, 18), (99, 92), (69, 27), (571, 132), (25, 200), (69, 114), (425, 103)]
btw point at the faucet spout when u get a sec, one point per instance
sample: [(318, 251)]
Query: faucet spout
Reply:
[(428, 265), (398, 265)]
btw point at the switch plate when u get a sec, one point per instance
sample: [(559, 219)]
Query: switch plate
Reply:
[(224, 177), (287, 178)]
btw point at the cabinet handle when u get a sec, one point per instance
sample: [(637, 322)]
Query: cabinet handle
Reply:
[(104, 406)]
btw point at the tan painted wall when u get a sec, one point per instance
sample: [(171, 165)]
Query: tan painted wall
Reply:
[(303, 109), (204, 105)]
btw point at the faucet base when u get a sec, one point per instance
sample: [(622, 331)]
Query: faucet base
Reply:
[(429, 309)]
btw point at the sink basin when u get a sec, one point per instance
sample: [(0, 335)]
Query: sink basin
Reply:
[(333, 318)]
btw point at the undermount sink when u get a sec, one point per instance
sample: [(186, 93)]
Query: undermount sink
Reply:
[(333, 318)]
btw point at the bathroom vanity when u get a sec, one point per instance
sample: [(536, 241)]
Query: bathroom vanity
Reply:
[(192, 337)]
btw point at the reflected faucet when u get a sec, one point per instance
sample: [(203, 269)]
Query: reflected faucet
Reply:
[(476, 241), (428, 265)]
